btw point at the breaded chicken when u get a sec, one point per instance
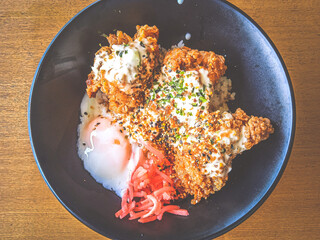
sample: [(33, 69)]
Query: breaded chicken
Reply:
[(187, 59), (202, 165), (125, 69)]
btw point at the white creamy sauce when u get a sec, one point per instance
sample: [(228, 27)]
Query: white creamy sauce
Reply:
[(187, 94), (182, 130), (193, 82), (205, 80), (188, 36), (216, 168), (239, 146), (121, 65), (227, 115), (232, 136)]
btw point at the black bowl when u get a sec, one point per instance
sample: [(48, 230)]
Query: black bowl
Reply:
[(260, 80)]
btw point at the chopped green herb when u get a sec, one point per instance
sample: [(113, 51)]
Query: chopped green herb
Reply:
[(180, 90), (180, 112), (177, 136), (202, 99)]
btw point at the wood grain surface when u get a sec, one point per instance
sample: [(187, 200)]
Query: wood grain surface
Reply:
[(28, 208)]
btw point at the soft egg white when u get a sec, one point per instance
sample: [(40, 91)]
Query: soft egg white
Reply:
[(106, 153)]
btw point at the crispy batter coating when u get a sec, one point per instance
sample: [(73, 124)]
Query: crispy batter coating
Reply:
[(190, 162), (92, 85), (189, 176), (120, 100), (257, 128), (188, 59), (119, 38), (146, 32)]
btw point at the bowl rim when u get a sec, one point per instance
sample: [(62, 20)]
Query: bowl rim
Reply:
[(256, 205)]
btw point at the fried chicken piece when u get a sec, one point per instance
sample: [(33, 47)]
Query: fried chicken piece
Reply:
[(257, 128), (202, 167), (147, 32), (125, 69), (188, 59)]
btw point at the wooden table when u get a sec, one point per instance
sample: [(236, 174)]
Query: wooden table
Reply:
[(28, 208)]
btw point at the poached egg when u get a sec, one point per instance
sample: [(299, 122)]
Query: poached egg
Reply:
[(106, 152)]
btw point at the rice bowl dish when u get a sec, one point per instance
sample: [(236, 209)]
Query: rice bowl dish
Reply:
[(260, 82), (151, 108)]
